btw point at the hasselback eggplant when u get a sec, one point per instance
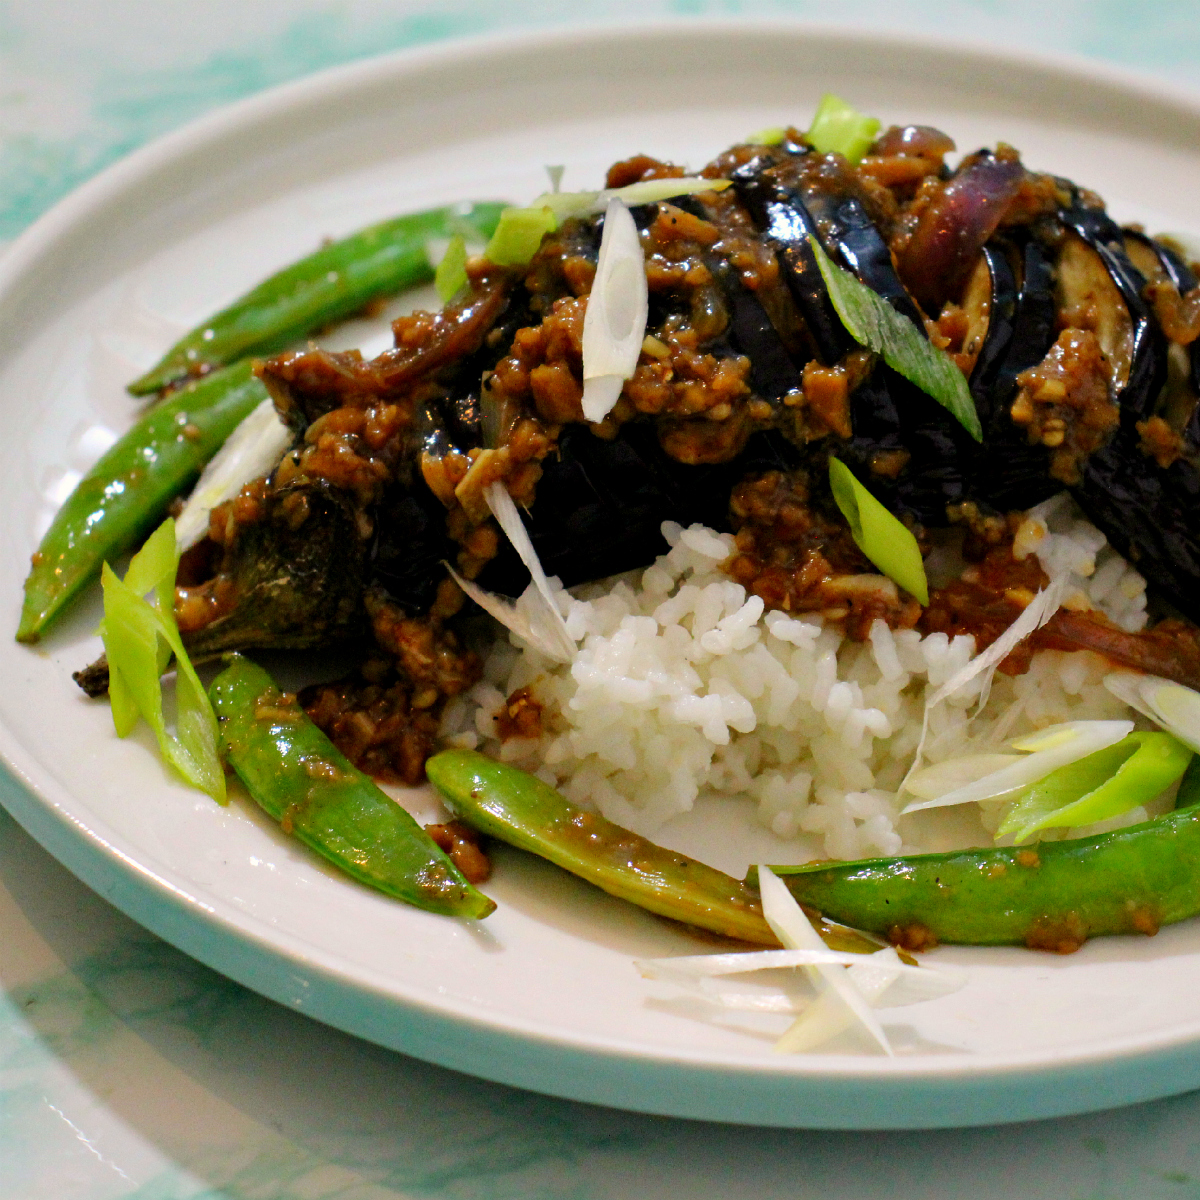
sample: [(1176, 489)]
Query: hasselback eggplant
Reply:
[(1006, 254)]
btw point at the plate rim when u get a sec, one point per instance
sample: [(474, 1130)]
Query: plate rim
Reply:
[(221, 937)]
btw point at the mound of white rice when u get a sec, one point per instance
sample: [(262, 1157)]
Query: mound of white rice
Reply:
[(683, 685)]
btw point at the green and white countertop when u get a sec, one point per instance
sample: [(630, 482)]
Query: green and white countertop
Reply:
[(128, 1070)]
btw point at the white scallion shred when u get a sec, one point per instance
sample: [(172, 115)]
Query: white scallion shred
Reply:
[(615, 323), (1168, 704), (839, 1003), (649, 191), (1035, 614), (526, 617), (883, 979), (251, 450), (552, 634), (1060, 745)]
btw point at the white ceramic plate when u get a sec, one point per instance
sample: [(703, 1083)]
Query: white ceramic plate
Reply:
[(542, 994)]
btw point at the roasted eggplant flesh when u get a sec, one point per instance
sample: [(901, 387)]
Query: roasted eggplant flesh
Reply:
[(292, 577)]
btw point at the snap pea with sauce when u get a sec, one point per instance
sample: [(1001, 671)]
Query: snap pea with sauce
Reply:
[(507, 803), (128, 490), (329, 285), (297, 776), (1048, 896)]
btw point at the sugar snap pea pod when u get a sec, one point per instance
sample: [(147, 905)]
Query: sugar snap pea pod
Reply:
[(300, 780), (1049, 896), (516, 807), (127, 492), (333, 283)]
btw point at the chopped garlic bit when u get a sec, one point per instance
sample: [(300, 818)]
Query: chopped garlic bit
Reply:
[(1029, 533)]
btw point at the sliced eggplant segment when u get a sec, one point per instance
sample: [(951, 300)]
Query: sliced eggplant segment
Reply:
[(1139, 371), (787, 225), (1012, 474), (1156, 261), (848, 230), (601, 504), (1146, 511), (773, 373), (292, 579)]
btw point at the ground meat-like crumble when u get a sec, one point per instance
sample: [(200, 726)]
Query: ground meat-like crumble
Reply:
[(1064, 402)]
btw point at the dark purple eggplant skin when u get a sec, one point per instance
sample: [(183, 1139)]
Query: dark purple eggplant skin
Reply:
[(1009, 472), (1149, 514), (600, 504), (1148, 369), (887, 413), (786, 224), (773, 372), (1184, 279), (850, 233)]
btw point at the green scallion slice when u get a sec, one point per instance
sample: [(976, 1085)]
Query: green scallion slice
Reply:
[(873, 322), (770, 136), (519, 234), (139, 639), (882, 537), (451, 275), (1105, 784), (839, 128)]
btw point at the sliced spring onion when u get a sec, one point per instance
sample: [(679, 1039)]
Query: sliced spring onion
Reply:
[(648, 191), (1175, 707), (891, 981), (547, 620), (520, 231), (251, 450), (771, 136), (839, 1003), (614, 325), (518, 235), (1080, 738), (451, 274), (839, 128), (1105, 784), (873, 322), (931, 782), (139, 639), (1034, 615), (878, 534), (526, 617)]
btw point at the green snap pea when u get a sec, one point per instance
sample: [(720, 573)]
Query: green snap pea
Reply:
[(1049, 896), (333, 283), (127, 492), (518, 808), (298, 778)]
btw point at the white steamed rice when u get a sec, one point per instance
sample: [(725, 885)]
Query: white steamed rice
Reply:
[(683, 686)]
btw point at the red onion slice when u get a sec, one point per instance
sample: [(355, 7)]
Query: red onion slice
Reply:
[(938, 258)]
